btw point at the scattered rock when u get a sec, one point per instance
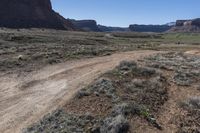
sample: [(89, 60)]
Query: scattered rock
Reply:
[(20, 57)]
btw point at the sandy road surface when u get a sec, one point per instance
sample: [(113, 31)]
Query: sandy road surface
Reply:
[(25, 99)]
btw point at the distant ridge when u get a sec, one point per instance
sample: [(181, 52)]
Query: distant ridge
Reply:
[(112, 29), (91, 25), (150, 28)]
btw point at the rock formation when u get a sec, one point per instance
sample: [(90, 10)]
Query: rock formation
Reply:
[(31, 14), (149, 28), (86, 25), (192, 25)]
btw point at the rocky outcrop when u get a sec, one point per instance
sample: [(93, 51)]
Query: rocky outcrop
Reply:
[(86, 25), (192, 25), (180, 22), (149, 28), (191, 22), (31, 14)]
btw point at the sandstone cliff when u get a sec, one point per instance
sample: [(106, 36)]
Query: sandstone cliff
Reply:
[(31, 14)]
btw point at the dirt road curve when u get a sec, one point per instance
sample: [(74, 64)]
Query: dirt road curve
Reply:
[(24, 100)]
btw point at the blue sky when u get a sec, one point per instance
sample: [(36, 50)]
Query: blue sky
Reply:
[(125, 12)]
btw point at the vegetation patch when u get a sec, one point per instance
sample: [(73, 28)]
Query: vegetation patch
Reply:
[(190, 121), (186, 68), (44, 47), (125, 92)]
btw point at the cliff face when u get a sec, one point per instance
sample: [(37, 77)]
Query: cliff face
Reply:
[(194, 22), (149, 28), (192, 25), (31, 14), (180, 22)]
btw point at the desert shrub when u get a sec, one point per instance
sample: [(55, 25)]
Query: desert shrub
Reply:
[(61, 122), (129, 90), (192, 103), (102, 86), (116, 124), (183, 79), (189, 123), (127, 65), (144, 71), (126, 109), (185, 67)]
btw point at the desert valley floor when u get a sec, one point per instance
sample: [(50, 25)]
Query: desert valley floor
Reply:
[(59, 81)]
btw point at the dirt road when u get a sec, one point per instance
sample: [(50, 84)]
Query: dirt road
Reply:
[(25, 99)]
